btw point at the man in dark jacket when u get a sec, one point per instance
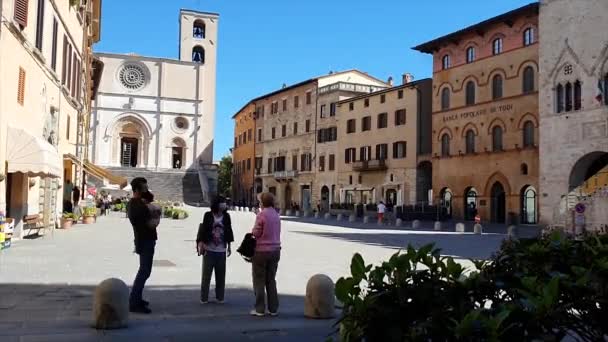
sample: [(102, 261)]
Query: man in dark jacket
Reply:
[(145, 242)]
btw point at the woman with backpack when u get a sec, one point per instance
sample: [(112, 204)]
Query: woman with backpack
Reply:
[(213, 243), (265, 262)]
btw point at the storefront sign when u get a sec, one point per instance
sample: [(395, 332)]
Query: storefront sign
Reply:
[(470, 115)]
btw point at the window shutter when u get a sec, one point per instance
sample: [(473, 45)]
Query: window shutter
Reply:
[(21, 87), (64, 60), (394, 150), (21, 10), (346, 156)]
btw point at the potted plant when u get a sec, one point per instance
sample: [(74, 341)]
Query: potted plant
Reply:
[(88, 215), (67, 219)]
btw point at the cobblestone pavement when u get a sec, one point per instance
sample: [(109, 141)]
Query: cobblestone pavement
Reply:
[(46, 284)]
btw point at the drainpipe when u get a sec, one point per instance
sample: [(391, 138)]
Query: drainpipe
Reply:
[(158, 109)]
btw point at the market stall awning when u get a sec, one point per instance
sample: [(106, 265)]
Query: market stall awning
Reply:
[(103, 174), (31, 155), (72, 158)]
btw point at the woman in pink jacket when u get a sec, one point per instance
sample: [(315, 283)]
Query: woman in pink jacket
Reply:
[(267, 231)]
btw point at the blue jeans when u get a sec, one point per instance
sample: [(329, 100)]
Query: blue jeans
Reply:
[(145, 249)]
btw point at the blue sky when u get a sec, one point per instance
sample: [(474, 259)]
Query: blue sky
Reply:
[(265, 43)]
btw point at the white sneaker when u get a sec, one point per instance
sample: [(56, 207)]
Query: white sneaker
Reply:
[(255, 313), (273, 314), (220, 302), (204, 302)]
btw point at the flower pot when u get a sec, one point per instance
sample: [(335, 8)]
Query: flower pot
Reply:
[(66, 223), (88, 219)]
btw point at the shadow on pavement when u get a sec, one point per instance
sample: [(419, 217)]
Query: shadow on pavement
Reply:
[(62, 312), (466, 246)]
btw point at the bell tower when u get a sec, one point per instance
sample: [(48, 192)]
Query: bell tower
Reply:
[(198, 37)]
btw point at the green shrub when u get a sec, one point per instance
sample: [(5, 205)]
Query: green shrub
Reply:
[(70, 216), (89, 211), (540, 289)]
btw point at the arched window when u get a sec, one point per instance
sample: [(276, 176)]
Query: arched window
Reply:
[(470, 93), (529, 36), (445, 145), (470, 54), (559, 98), (568, 96), (446, 62), (496, 87), (577, 95), (524, 169), (497, 139), (445, 98), (198, 29), (497, 46), (528, 81), (198, 54), (528, 134), (470, 142), (528, 205)]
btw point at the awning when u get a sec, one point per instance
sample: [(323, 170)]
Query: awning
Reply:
[(103, 174), (30, 155)]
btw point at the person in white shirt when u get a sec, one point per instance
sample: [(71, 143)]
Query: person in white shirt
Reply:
[(381, 210)]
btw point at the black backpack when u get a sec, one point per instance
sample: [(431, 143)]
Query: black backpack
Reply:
[(247, 247)]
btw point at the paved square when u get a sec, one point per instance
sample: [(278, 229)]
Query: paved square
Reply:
[(47, 283)]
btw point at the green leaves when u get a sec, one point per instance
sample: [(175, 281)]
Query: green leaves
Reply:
[(540, 289)]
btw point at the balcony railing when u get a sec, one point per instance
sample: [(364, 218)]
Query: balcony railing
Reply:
[(370, 165), (285, 174)]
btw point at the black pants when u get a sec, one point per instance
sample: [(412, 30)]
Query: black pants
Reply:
[(145, 249), (264, 267), (213, 262)]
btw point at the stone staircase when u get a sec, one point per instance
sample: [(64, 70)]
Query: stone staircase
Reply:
[(171, 185)]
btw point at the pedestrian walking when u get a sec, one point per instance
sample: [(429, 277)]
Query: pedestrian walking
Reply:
[(145, 242), (381, 211), (267, 232), (213, 243)]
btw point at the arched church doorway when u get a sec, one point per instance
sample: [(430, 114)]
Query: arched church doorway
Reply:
[(129, 148), (470, 203), (178, 154), (324, 198)]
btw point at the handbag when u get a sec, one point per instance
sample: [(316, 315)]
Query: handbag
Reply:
[(247, 247)]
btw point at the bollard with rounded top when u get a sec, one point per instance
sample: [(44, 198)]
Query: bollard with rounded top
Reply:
[(437, 225), (352, 218), (327, 216), (288, 212), (365, 219), (319, 302), (111, 305), (459, 227), (398, 222), (512, 232), (317, 214), (416, 224), (477, 228), (340, 217)]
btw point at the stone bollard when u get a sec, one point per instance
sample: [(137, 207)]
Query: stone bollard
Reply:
[(398, 222), (317, 214), (352, 218), (320, 297), (340, 217), (416, 224), (365, 219), (307, 213), (296, 213), (477, 228), (437, 226), (512, 232), (288, 212), (327, 216), (459, 227), (111, 305)]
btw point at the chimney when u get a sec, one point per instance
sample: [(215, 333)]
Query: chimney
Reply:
[(407, 78), (284, 86), (390, 81)]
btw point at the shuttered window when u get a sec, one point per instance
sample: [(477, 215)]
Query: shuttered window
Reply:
[(54, 46), (74, 74), (64, 69), (21, 87), (20, 14), (40, 24)]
